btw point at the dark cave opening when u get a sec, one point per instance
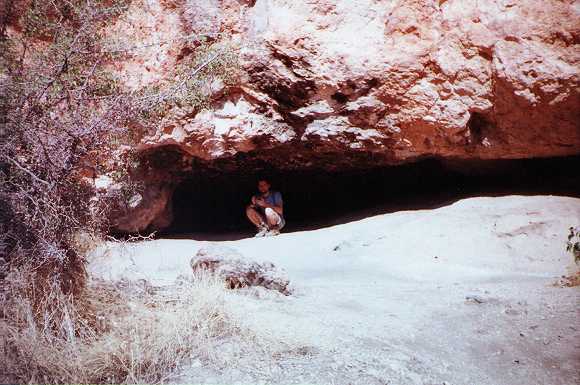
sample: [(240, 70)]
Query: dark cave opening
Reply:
[(212, 205), (479, 127)]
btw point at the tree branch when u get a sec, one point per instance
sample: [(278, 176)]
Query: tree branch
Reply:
[(36, 178)]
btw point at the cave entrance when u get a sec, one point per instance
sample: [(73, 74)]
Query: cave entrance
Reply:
[(211, 206)]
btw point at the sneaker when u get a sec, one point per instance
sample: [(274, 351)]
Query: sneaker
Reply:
[(262, 232), (272, 233)]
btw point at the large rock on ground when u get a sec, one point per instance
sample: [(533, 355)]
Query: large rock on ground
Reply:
[(239, 272)]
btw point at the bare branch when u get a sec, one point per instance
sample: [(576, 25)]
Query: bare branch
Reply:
[(36, 178)]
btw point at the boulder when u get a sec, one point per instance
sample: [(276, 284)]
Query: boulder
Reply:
[(237, 271)]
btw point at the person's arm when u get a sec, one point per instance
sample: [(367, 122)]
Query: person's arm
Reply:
[(279, 204), (277, 207)]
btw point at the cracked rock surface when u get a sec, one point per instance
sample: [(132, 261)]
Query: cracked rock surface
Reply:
[(338, 85), (403, 79)]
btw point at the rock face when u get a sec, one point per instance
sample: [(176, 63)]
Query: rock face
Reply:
[(238, 272), (337, 84), (490, 79)]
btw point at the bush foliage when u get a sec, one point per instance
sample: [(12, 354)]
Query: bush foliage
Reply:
[(63, 120)]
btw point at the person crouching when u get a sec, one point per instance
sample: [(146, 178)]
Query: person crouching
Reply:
[(266, 210)]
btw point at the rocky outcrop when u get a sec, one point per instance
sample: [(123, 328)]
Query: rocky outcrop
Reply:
[(403, 79), (238, 272), (345, 84)]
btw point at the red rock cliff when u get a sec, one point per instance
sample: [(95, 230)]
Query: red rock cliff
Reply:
[(324, 83)]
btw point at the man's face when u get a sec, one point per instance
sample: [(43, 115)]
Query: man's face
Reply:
[(263, 186)]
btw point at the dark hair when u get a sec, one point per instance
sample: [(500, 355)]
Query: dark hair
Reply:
[(265, 179)]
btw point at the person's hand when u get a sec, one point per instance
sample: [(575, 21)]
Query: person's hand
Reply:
[(260, 202)]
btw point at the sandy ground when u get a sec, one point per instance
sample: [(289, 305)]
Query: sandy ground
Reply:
[(462, 294)]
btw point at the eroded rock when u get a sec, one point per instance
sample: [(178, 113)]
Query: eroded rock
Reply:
[(239, 272), (334, 84), (402, 79)]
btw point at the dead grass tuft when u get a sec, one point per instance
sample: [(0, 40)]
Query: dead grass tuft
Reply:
[(111, 333)]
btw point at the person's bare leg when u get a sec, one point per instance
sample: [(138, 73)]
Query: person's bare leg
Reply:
[(255, 217), (273, 218)]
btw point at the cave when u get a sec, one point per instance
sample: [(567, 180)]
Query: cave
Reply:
[(211, 205), (479, 127)]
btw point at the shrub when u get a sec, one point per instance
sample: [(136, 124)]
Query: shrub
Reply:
[(53, 121), (63, 119)]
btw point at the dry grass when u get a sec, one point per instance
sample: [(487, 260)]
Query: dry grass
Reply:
[(112, 334)]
